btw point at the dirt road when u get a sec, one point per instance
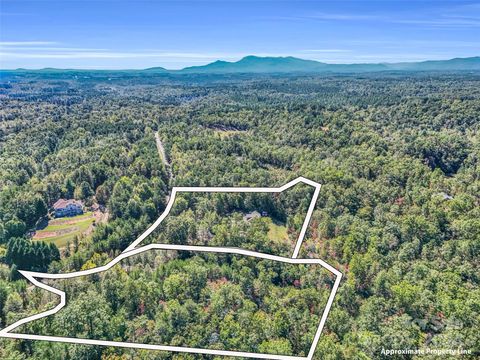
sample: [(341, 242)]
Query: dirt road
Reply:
[(163, 156)]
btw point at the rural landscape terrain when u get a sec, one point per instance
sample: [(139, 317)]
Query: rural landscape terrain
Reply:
[(396, 149)]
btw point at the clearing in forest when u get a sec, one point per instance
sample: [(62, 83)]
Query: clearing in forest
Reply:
[(63, 230)]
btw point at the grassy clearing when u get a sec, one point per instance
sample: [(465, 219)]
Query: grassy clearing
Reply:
[(226, 133), (276, 231), (62, 230)]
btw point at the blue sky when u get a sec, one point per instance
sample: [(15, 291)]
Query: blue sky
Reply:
[(119, 34)]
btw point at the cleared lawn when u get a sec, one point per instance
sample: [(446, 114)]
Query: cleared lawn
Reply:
[(62, 230), (226, 133), (276, 231)]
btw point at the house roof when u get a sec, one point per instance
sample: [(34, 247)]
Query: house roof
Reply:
[(252, 215), (62, 203)]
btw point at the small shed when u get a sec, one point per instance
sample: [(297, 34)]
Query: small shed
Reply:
[(445, 196)]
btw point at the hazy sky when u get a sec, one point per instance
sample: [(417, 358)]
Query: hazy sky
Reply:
[(174, 34)]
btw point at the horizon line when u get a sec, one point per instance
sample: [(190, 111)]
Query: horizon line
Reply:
[(233, 62)]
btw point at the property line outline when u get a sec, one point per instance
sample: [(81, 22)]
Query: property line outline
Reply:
[(133, 250), (280, 189)]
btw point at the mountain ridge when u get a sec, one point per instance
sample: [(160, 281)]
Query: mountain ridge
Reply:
[(290, 64)]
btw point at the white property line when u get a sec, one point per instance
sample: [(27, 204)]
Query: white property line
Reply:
[(280, 189), (33, 276), (131, 250)]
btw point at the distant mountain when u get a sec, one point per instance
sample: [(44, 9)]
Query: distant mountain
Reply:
[(471, 63), (289, 64), (255, 64), (157, 69)]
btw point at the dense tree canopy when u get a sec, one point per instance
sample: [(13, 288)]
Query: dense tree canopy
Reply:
[(398, 157)]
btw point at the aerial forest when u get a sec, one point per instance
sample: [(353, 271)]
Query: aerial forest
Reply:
[(398, 213)]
